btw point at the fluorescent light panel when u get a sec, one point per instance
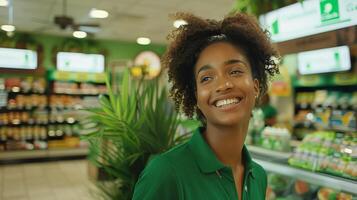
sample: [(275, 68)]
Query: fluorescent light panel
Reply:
[(8, 28), (96, 13), (4, 3), (143, 41), (79, 34)]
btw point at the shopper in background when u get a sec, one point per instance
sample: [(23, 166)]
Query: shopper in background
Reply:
[(270, 113), (218, 70)]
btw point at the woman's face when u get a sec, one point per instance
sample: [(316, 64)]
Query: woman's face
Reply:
[(225, 89)]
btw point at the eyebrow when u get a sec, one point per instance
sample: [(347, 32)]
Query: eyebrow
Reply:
[(204, 68), (233, 61), (228, 62)]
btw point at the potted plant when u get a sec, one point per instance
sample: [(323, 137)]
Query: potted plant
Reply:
[(132, 125)]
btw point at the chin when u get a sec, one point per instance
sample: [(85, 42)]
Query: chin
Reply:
[(230, 121)]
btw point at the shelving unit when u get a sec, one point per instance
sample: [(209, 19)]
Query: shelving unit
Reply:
[(320, 179), (15, 156), (271, 154), (276, 162), (58, 129)]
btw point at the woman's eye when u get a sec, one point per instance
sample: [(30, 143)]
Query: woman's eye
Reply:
[(205, 79), (236, 72)]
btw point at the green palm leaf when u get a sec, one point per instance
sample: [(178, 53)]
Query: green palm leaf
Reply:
[(132, 125)]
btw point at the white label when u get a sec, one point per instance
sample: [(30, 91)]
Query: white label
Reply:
[(324, 60), (18, 58), (80, 62), (309, 18)]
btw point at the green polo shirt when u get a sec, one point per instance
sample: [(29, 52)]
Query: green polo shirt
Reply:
[(191, 171)]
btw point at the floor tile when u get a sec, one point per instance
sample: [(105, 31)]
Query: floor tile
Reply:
[(63, 180)]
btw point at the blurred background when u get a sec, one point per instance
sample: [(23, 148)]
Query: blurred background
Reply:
[(84, 102)]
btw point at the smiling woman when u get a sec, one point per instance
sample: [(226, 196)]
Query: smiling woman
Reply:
[(218, 70)]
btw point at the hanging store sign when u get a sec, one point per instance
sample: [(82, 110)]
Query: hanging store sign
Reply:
[(334, 59), (18, 58), (308, 18), (80, 62)]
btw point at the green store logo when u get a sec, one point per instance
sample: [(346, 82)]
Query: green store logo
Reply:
[(329, 10)]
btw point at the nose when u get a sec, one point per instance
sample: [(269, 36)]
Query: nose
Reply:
[(223, 85)]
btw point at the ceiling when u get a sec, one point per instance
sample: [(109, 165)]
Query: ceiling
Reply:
[(128, 19)]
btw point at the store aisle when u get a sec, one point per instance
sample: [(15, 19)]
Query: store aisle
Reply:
[(62, 180)]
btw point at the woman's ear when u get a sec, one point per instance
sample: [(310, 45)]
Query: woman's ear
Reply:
[(256, 88)]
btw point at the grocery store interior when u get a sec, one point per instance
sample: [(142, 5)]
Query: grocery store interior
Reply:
[(76, 77)]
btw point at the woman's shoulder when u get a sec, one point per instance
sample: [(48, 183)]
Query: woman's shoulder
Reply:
[(166, 161), (258, 168), (259, 172), (159, 179)]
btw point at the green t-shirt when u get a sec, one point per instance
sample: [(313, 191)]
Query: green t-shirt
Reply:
[(191, 171)]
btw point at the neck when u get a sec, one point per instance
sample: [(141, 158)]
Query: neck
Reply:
[(227, 143)]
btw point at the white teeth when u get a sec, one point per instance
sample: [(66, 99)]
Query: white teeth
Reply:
[(225, 102)]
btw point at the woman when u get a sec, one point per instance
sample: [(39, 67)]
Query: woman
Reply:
[(218, 70)]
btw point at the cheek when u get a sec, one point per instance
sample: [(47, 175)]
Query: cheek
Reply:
[(249, 84), (202, 96)]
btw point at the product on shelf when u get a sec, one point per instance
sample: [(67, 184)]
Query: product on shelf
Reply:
[(78, 88), (24, 117), (305, 98), (65, 101), (25, 85), (353, 100), (23, 138), (60, 131), (27, 101), (330, 194), (13, 84), (328, 152), (2, 84), (282, 187), (276, 139), (73, 102), (328, 110), (256, 125)]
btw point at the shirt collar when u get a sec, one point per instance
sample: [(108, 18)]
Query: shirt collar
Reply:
[(205, 157)]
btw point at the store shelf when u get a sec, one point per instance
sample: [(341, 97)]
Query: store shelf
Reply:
[(24, 124), (269, 153), (63, 123), (25, 93), (69, 94), (326, 180), (37, 154), (6, 110)]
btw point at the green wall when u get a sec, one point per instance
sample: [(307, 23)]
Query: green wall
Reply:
[(115, 49)]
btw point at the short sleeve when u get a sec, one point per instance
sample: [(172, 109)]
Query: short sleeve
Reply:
[(157, 181)]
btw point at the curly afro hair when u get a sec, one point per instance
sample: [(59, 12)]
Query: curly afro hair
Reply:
[(189, 40)]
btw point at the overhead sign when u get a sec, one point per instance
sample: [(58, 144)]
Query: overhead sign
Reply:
[(324, 60), (80, 62), (308, 18), (18, 58)]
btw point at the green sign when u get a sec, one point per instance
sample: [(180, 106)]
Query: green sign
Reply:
[(329, 10), (308, 18)]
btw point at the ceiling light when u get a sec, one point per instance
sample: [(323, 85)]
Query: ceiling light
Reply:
[(8, 28), (179, 22), (4, 3), (143, 41), (79, 34), (96, 13)]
